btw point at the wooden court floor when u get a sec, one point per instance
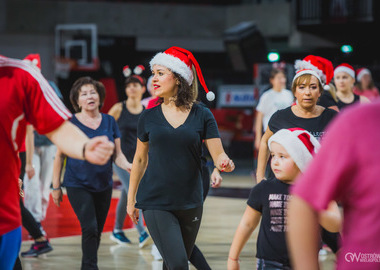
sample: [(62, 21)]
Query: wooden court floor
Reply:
[(220, 219)]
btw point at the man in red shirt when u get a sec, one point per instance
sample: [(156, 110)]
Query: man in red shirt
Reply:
[(26, 96)]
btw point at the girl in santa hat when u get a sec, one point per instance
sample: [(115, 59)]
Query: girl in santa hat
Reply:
[(365, 85), (344, 79), (169, 187)]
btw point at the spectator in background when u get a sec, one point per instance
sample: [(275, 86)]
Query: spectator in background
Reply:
[(365, 85), (149, 86), (127, 114), (37, 188), (274, 99), (88, 186), (345, 169), (344, 79)]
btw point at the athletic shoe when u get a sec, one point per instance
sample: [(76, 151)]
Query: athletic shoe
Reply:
[(144, 240), (38, 248), (156, 254), (120, 238)]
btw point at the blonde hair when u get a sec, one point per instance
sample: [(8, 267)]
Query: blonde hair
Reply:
[(304, 79)]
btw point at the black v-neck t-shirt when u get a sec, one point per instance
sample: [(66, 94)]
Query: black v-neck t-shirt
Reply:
[(172, 180), (287, 119)]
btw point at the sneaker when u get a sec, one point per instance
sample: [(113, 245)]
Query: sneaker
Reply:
[(144, 240), (156, 254), (322, 252), (38, 248), (120, 238)]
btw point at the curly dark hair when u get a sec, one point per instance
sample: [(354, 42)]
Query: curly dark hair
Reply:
[(187, 94), (75, 90)]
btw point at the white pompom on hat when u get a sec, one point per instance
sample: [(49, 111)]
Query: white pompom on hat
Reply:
[(320, 67), (34, 60), (299, 144), (345, 68), (138, 69), (181, 61), (127, 71)]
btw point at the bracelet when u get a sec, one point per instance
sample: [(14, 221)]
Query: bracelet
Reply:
[(58, 188), (84, 151), (235, 260)]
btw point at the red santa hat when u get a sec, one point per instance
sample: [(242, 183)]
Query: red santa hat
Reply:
[(345, 68), (181, 62), (34, 60), (299, 144), (361, 72), (318, 66)]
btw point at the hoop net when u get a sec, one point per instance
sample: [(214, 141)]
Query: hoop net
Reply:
[(63, 66)]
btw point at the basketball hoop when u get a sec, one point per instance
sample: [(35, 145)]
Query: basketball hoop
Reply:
[(63, 66)]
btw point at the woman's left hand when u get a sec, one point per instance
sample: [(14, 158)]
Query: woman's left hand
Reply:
[(133, 212)]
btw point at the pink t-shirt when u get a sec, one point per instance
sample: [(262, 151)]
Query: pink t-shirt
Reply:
[(371, 94), (347, 169)]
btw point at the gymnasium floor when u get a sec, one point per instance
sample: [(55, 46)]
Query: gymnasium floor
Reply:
[(222, 212)]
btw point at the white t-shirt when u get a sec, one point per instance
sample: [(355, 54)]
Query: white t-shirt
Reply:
[(272, 101)]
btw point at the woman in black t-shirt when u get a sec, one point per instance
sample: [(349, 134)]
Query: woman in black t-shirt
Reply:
[(305, 114), (127, 114), (171, 135), (344, 79)]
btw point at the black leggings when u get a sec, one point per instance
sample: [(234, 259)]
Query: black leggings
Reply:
[(91, 209), (174, 233), (196, 258)]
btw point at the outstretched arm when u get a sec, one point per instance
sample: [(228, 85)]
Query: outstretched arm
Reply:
[(247, 225), (29, 145), (222, 162), (258, 129), (331, 218), (302, 234), (57, 170), (74, 143)]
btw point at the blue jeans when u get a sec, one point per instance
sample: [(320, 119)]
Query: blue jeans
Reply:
[(10, 244), (121, 209), (270, 265)]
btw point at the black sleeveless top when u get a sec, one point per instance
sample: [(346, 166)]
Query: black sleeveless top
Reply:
[(127, 123), (341, 104)]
